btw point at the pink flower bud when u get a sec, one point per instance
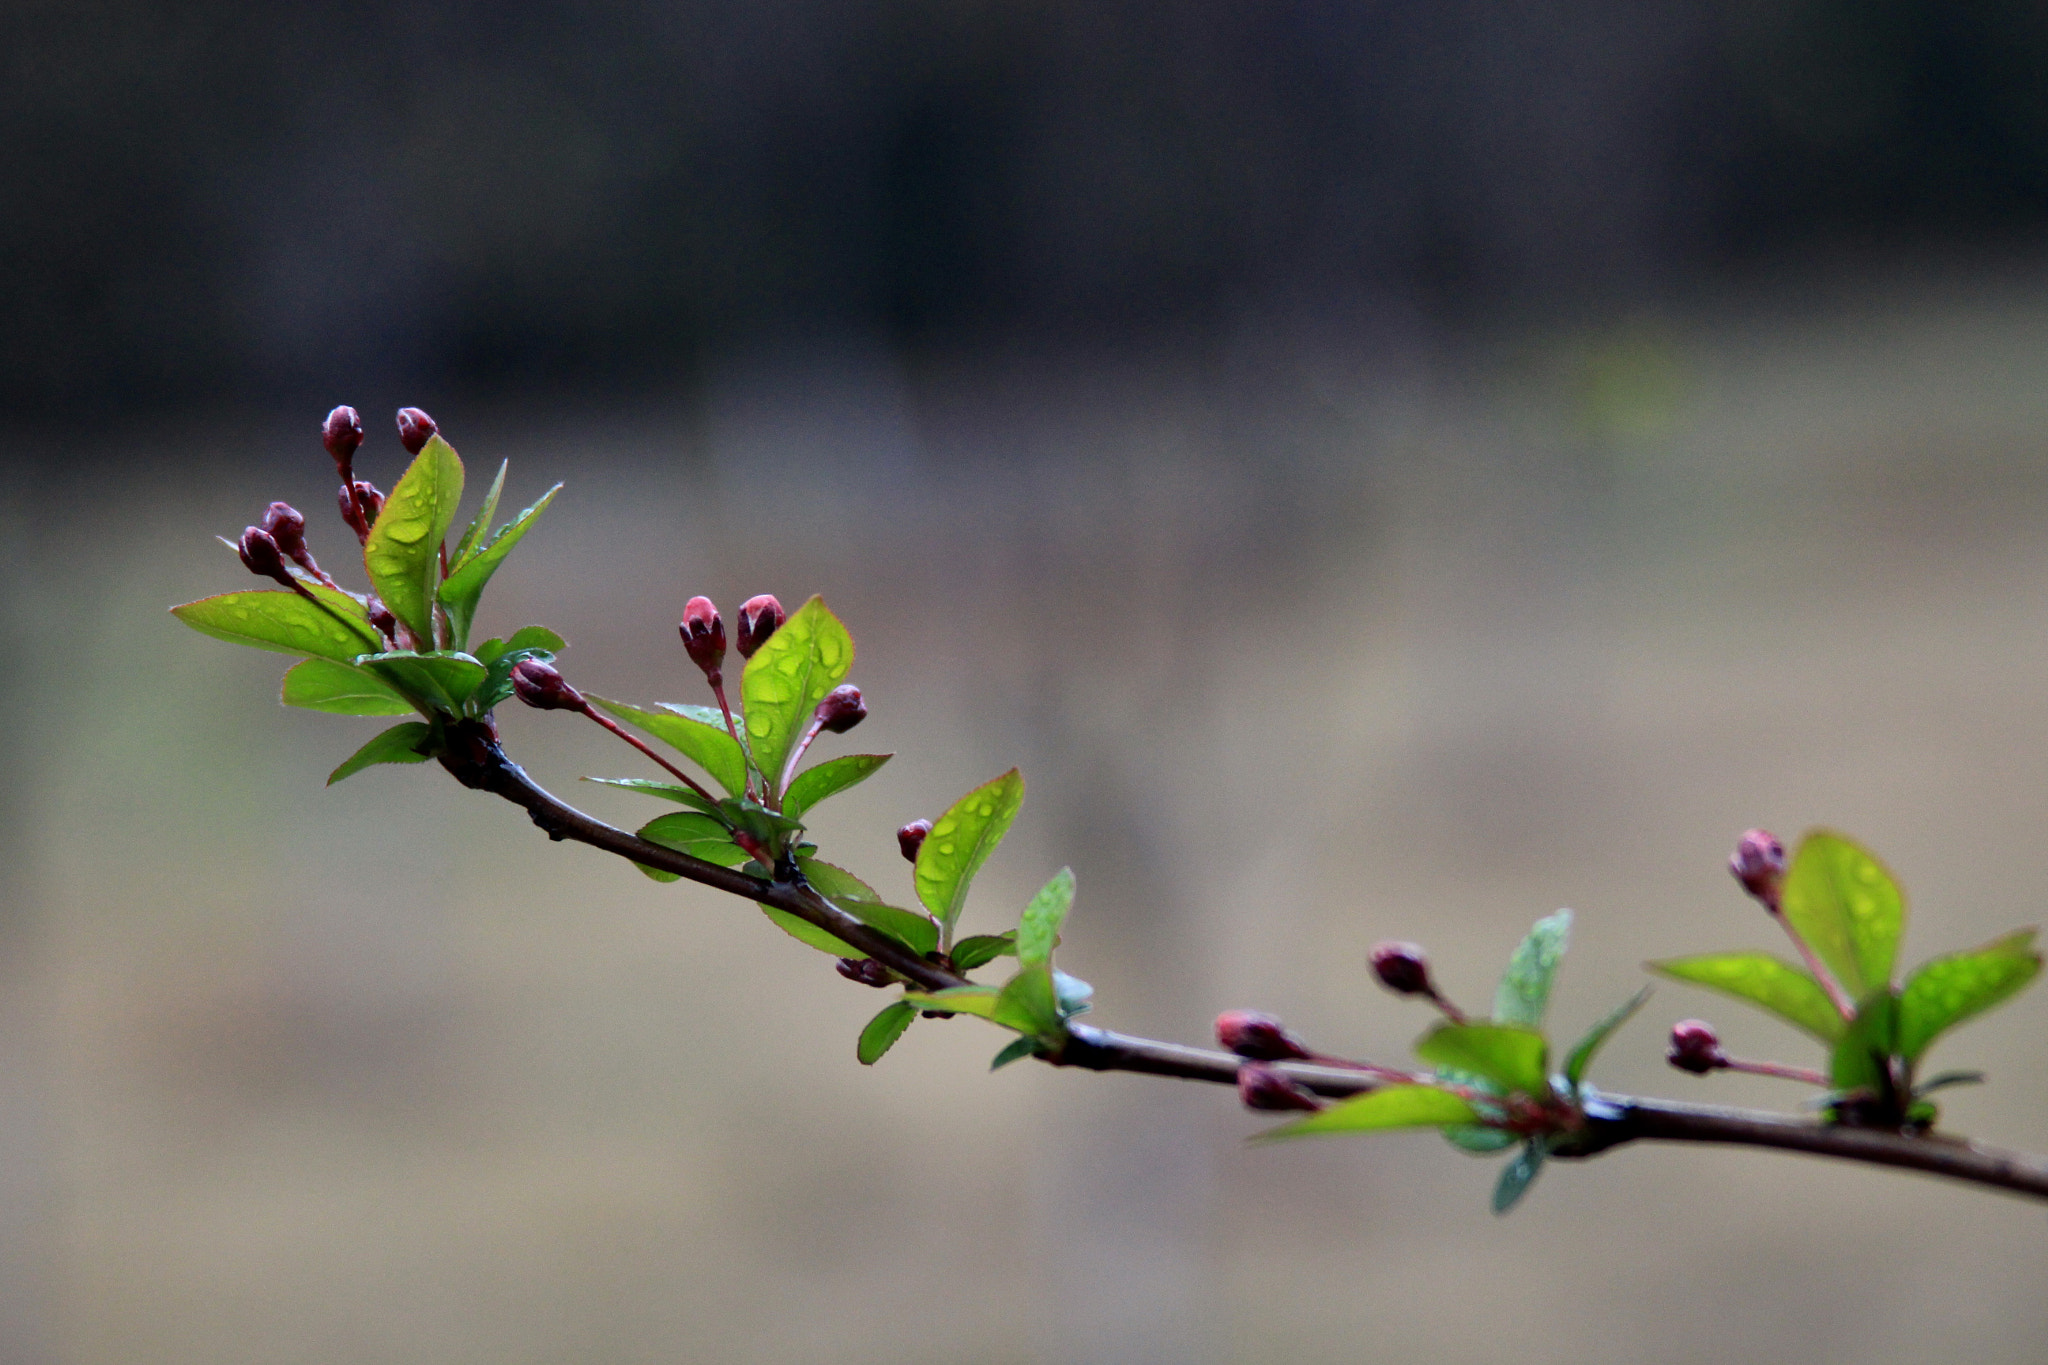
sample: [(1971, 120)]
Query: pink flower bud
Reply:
[(1268, 1088), (1695, 1047), (1759, 864), (703, 632), (415, 428), (759, 618), (1260, 1037), (342, 433), (542, 686), (911, 838), (842, 709), (1402, 968), (260, 555)]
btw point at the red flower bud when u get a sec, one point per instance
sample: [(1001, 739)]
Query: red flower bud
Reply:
[(341, 433), (911, 838), (1261, 1037), (703, 632), (260, 555), (414, 429), (1402, 968), (759, 618), (842, 709), (865, 970), (542, 686), (1695, 1047), (288, 528), (1267, 1087), (1759, 864)]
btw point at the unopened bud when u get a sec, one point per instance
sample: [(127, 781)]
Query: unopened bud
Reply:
[(865, 970), (542, 686), (341, 433), (1260, 1037), (1267, 1087), (1402, 968), (415, 428), (287, 526), (1695, 1047), (759, 618), (703, 632), (1759, 864), (842, 709), (911, 838), (261, 557)]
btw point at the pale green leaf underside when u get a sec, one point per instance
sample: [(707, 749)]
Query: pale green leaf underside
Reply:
[(1524, 991), (1393, 1106), (1039, 929), (399, 744)]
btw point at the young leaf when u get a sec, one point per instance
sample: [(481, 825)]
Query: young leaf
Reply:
[(672, 791), (1944, 991), (908, 927), (441, 681), (829, 778), (400, 744), (979, 1001), (341, 689), (710, 747), (1030, 1003), (526, 637), (1515, 1059), (700, 836), (1040, 927), (803, 931), (403, 553), (1840, 898), (280, 620), (480, 524), (1524, 991), (1016, 1051), (883, 1030), (1785, 990), (1596, 1037), (982, 949), (465, 585), (1519, 1174), (1862, 1060), (1390, 1106), (788, 677), (1479, 1139), (961, 841)]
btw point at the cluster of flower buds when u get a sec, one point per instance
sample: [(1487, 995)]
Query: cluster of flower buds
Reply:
[(911, 838), (360, 502), (865, 970), (1695, 1047), (1759, 864), (542, 686), (1265, 1087), (1258, 1037)]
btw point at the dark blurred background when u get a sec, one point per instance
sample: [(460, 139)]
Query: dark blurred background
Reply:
[(1382, 470)]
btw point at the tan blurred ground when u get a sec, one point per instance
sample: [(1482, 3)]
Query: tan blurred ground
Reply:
[(1296, 653)]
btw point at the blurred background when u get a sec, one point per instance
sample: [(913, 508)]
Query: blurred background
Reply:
[(1381, 470)]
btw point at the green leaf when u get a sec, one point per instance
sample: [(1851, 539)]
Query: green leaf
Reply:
[(700, 836), (1596, 1037), (979, 1001), (803, 931), (670, 791), (1787, 991), (1861, 1060), (1518, 1175), (1944, 991), (982, 949), (342, 689), (711, 748), (1017, 1050), (1946, 1079), (1844, 903), (282, 620), (526, 637), (403, 553), (441, 681), (1391, 1106), (787, 678), (912, 929), (829, 778), (883, 1030), (1524, 991), (961, 841), (1030, 1003), (480, 524), (400, 744), (1478, 1139), (465, 584), (1515, 1059), (1039, 929)]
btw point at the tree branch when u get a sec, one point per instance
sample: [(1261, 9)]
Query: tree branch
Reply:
[(476, 760)]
